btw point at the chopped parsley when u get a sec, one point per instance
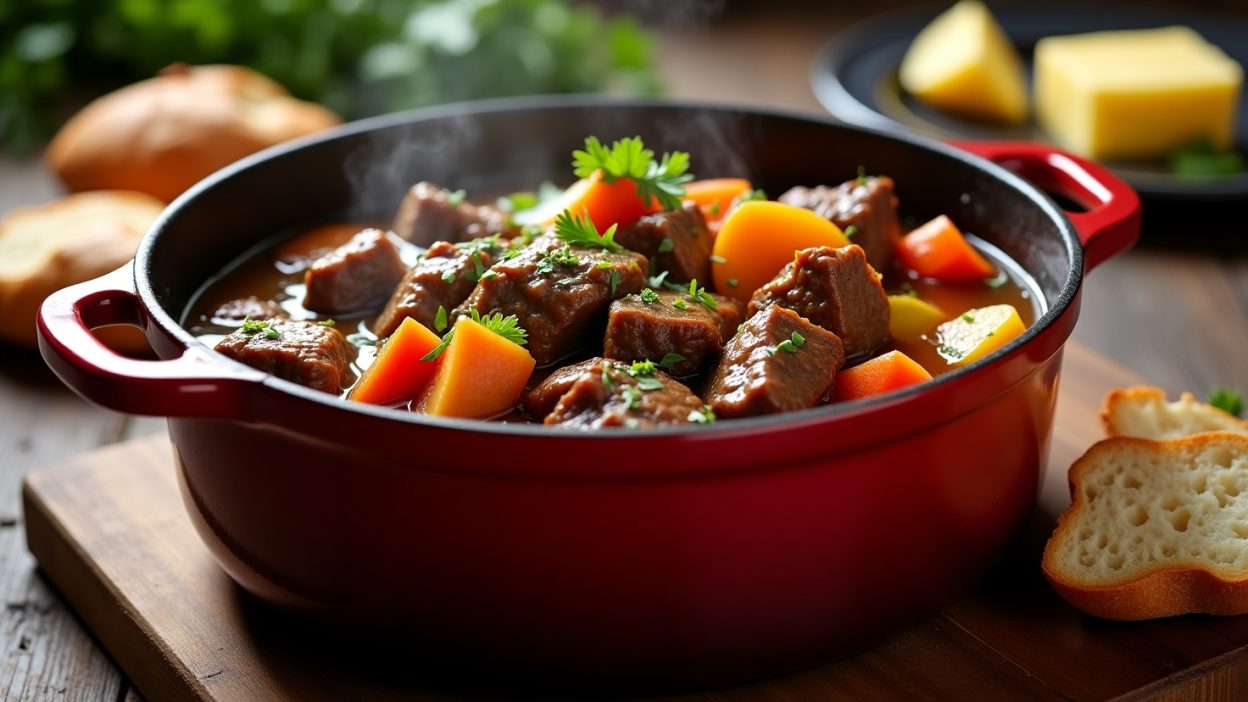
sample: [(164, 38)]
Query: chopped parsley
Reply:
[(862, 176), (251, 327), (749, 196), (580, 231), (642, 368), (790, 345), (455, 198), (1202, 159), (648, 295), (950, 352), (851, 231), (439, 320), (680, 304), (666, 245), (632, 397), (659, 280), (704, 416), (557, 257), (507, 327), (701, 295), (966, 317), (714, 209), (326, 323), (670, 359), (448, 277), (649, 384), (615, 281), (733, 282), (663, 180), (1228, 401), (489, 275), (517, 202)]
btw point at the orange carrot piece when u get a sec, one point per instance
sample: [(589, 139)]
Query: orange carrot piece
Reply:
[(938, 250), (398, 374), (606, 203), (714, 196), (480, 376), (758, 238), (885, 373)]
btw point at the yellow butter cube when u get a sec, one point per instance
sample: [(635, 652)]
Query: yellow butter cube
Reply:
[(964, 63), (1135, 94)]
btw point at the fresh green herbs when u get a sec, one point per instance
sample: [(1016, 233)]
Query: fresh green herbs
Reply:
[(580, 231), (326, 323), (632, 397), (448, 277), (698, 294), (733, 282), (507, 327), (714, 209), (851, 231), (951, 353), (1228, 401), (642, 368), (862, 176), (670, 359), (703, 416), (666, 245), (526, 200), (966, 317), (252, 327), (680, 304), (1202, 159), (555, 258), (789, 345), (615, 281), (749, 196), (658, 280), (628, 158), (455, 198), (439, 320), (649, 296)]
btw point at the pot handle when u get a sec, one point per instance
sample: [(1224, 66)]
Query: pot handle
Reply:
[(1111, 223), (191, 385)]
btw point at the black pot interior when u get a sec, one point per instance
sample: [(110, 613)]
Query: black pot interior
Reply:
[(364, 170)]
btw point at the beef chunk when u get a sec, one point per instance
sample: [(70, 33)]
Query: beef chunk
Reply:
[(558, 292), (307, 353), (836, 289), (687, 257), (539, 400), (612, 394), (657, 324), (298, 252), (235, 311), (355, 276), (869, 206), (766, 368), (443, 277), (429, 213)]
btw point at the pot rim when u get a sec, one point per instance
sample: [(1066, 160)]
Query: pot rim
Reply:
[(816, 416)]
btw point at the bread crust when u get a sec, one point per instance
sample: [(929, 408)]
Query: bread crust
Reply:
[(164, 134), (1183, 587), (1120, 401), (51, 246)]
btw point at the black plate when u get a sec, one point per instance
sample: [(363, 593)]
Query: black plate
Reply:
[(855, 77)]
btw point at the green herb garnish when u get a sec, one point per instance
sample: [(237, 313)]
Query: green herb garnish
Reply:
[(966, 317), (1202, 159), (580, 231), (448, 277), (649, 296), (1228, 401), (632, 397), (439, 320), (704, 416), (666, 245), (701, 295), (714, 208), (851, 231), (749, 196), (629, 158), (326, 323), (251, 327), (670, 359), (680, 304), (507, 327), (862, 176), (557, 257), (456, 198), (790, 345), (997, 281), (733, 282), (615, 281)]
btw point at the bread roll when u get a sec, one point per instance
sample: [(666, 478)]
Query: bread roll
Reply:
[(1144, 413), (164, 134), (47, 247)]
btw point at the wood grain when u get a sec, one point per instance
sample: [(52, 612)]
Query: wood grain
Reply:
[(110, 530)]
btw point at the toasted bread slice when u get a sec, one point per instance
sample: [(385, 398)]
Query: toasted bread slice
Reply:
[(1144, 413), (1156, 528)]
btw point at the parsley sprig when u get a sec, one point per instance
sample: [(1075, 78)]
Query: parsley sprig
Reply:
[(628, 158), (580, 231), (699, 294), (252, 327), (791, 344), (507, 327), (1228, 401)]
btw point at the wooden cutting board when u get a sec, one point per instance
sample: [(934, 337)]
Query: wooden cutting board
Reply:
[(109, 530)]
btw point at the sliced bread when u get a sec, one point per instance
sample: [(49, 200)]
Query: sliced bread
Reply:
[(1143, 412), (1156, 528)]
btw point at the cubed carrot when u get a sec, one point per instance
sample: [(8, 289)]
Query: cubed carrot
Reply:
[(884, 373), (398, 374), (481, 374), (939, 250)]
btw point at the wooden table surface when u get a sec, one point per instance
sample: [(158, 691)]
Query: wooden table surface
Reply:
[(1174, 310)]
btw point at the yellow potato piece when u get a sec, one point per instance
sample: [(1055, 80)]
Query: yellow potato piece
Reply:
[(964, 63), (910, 317), (977, 333), (1136, 94)]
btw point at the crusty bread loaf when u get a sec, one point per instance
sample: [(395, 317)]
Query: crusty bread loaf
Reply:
[(47, 247), (1143, 412), (162, 135), (1156, 528)]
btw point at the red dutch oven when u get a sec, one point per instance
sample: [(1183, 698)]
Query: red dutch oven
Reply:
[(685, 556)]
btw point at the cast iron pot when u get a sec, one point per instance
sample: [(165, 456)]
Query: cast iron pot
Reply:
[(725, 552)]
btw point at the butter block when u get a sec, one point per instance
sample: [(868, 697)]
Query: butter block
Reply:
[(1135, 94), (965, 64)]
